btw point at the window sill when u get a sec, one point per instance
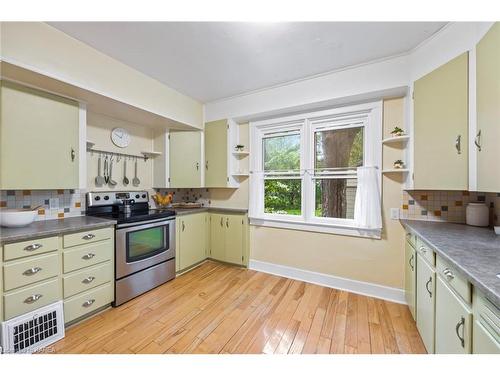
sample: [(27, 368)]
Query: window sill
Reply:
[(343, 230)]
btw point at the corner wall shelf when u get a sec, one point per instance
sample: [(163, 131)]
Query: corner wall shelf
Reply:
[(242, 174), (393, 140), (241, 153), (150, 154), (396, 170), (145, 154)]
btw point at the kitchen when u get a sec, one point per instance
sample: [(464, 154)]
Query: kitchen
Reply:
[(352, 211)]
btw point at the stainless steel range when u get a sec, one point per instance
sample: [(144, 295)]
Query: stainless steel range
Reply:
[(144, 241)]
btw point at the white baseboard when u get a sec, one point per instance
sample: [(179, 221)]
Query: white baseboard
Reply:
[(359, 287)]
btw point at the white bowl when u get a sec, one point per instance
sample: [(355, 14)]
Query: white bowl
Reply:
[(497, 230), (17, 218)]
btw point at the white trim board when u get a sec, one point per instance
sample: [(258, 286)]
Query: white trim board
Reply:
[(335, 282)]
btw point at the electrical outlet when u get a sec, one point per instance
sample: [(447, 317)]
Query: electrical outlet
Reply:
[(54, 203), (395, 213)]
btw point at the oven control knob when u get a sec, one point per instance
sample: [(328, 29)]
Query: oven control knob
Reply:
[(144, 195), (98, 198), (106, 197), (137, 196)]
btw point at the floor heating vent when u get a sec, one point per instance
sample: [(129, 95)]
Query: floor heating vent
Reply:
[(33, 331)]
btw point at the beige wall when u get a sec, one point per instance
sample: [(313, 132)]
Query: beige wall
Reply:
[(374, 261), (99, 131), (44, 49)]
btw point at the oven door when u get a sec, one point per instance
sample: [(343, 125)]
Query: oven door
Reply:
[(143, 245)]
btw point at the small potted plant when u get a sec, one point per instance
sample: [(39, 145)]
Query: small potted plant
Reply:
[(397, 132), (398, 164), (239, 148)]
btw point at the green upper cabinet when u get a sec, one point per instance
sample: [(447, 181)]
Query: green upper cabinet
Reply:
[(216, 154), (441, 128), (185, 159), (488, 110), (39, 139)]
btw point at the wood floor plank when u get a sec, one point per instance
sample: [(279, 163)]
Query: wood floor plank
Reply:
[(217, 308)]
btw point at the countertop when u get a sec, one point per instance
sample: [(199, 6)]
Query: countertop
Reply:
[(187, 211), (475, 252), (52, 228)]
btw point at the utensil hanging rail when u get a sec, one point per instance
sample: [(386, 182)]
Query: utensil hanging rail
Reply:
[(92, 150)]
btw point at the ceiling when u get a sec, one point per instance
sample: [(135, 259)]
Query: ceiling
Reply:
[(214, 60)]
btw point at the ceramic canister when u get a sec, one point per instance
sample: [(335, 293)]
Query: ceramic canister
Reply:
[(477, 214)]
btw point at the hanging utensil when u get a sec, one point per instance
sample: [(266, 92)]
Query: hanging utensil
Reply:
[(136, 180), (99, 180), (125, 179), (106, 175), (111, 181)]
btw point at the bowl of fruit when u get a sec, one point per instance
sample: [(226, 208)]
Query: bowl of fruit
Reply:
[(162, 201)]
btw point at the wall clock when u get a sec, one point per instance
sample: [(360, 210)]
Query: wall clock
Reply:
[(120, 137)]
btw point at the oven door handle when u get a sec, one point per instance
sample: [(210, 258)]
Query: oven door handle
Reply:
[(142, 223)]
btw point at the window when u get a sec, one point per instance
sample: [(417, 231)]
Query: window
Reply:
[(304, 167)]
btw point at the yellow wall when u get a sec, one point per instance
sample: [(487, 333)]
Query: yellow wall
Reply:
[(42, 48), (99, 131), (374, 261)]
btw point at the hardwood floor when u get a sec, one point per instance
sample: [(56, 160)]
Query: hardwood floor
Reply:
[(217, 308)]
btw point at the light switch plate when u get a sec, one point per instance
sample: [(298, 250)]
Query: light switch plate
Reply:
[(54, 203), (395, 213)]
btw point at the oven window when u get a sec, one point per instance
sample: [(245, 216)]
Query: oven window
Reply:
[(145, 243)]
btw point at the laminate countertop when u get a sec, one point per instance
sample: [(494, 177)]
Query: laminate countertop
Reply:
[(187, 211), (473, 251), (54, 227)]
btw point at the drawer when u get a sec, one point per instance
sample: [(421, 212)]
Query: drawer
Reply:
[(31, 270), (86, 279), (31, 298), (84, 303), (455, 280), (426, 251), (82, 238), (411, 238), (28, 248), (488, 314), (89, 255)]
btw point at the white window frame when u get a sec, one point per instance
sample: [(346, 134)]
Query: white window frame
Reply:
[(368, 115)]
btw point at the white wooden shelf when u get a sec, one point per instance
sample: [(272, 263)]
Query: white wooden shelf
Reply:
[(392, 140), (151, 154), (241, 153), (242, 174), (396, 170)]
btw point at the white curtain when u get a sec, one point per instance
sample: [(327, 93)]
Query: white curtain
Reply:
[(367, 209)]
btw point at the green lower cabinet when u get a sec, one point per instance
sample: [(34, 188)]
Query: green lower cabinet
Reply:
[(410, 277), (453, 322), (192, 239), (426, 298), (483, 340), (228, 238)]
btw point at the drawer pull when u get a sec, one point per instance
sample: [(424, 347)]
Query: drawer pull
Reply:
[(32, 271), (447, 272), (457, 327), (427, 286), (88, 303), (33, 247), (423, 249), (88, 256), (88, 236), (33, 298), (88, 280)]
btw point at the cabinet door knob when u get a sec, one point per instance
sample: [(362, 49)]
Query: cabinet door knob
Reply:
[(33, 298), (458, 144), (447, 272), (423, 249), (461, 323), (427, 286), (477, 141), (88, 280), (33, 247), (73, 154), (227, 222), (197, 166), (32, 271), (88, 303), (221, 221), (88, 256), (88, 236)]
